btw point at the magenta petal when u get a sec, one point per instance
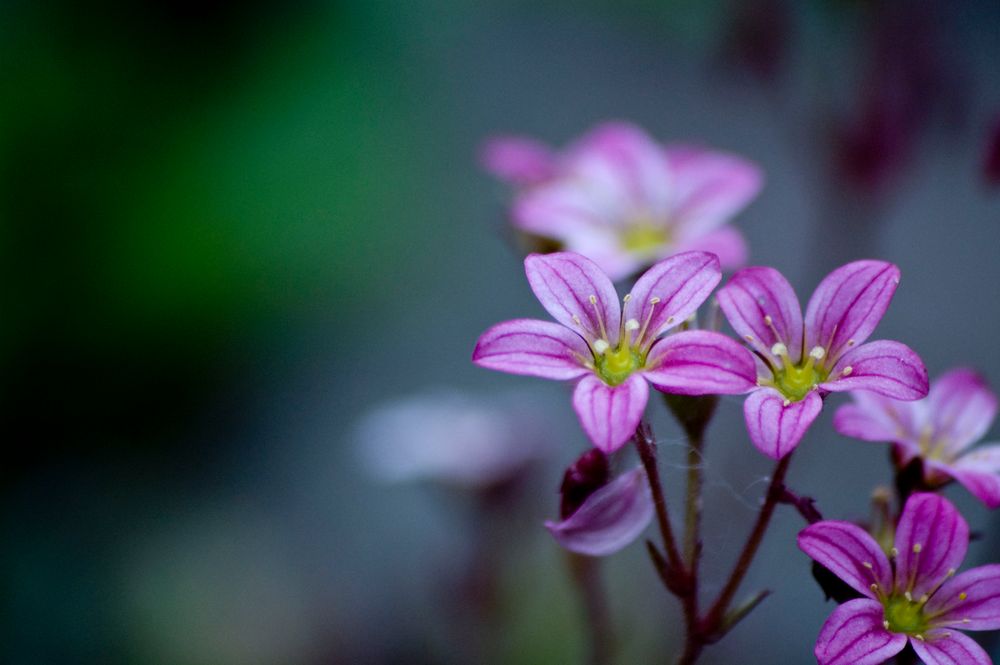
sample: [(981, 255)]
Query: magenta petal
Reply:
[(850, 553), (931, 538), (848, 304), (533, 348), (727, 243), (700, 362), (853, 635), (774, 427), (884, 367), (678, 285), (980, 604), (979, 471), (610, 414), (962, 407), (520, 160), (565, 283), (873, 417), (758, 292), (950, 648), (609, 519), (709, 187)]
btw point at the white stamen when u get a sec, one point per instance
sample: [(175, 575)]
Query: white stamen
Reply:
[(818, 352), (868, 565), (601, 346), (654, 300), (767, 319), (593, 299), (847, 371), (917, 547), (908, 596), (631, 324), (787, 402), (779, 349), (885, 624), (749, 338), (893, 552), (628, 296), (670, 319)]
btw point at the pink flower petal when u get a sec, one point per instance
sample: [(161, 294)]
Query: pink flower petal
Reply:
[(532, 348), (700, 362), (979, 471), (853, 635), (562, 210), (679, 285), (623, 158), (848, 304), (885, 367), (609, 519), (709, 187), (980, 603), (610, 414), (850, 553), (962, 408), (776, 428), (755, 293), (950, 648), (726, 242), (931, 538), (873, 417), (517, 159), (565, 283)]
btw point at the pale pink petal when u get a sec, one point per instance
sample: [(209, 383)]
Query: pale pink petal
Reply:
[(709, 188), (517, 159), (672, 290), (561, 210), (950, 648), (609, 519), (972, 595), (848, 304), (620, 156), (853, 635), (873, 417), (884, 367), (758, 294), (850, 553), (931, 538), (700, 362), (774, 427), (962, 408), (610, 414), (868, 424), (726, 242), (979, 471), (532, 348), (576, 293)]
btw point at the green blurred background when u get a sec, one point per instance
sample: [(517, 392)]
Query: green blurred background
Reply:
[(229, 228)]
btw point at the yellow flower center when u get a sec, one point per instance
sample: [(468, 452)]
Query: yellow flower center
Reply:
[(644, 237), (903, 615), (617, 365), (795, 381)]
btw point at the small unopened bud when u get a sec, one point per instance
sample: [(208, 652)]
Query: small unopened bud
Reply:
[(585, 476)]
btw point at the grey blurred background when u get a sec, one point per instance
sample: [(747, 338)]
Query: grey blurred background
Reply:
[(230, 229)]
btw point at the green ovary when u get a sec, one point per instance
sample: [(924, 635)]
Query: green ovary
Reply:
[(796, 382), (905, 616), (644, 238), (616, 366)]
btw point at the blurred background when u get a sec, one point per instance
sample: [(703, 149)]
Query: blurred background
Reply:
[(230, 229)]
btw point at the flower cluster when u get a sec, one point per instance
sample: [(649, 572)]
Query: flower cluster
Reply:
[(616, 202)]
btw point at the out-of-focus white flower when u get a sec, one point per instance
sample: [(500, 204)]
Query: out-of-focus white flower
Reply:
[(453, 437)]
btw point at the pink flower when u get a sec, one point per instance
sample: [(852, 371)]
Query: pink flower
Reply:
[(623, 200), (801, 361), (599, 516), (612, 350), (939, 430), (911, 595)]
